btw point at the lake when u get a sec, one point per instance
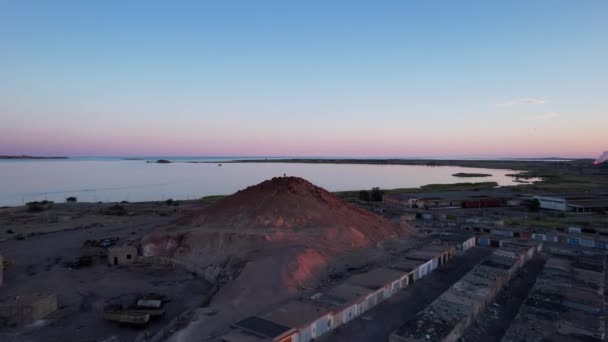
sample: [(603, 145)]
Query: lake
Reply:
[(114, 179)]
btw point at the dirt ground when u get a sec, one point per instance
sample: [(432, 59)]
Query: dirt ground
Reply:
[(378, 323), (37, 263)]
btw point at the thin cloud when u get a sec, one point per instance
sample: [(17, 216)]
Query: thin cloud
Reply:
[(545, 116), (517, 102)]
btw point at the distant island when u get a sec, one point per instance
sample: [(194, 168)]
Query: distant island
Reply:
[(160, 161), (30, 157), (465, 174)]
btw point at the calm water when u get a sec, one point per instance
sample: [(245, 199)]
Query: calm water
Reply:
[(112, 180)]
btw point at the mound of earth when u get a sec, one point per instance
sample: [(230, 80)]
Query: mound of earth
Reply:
[(284, 225)]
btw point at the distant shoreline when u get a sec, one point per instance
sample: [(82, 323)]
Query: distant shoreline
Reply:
[(513, 164), (30, 157)]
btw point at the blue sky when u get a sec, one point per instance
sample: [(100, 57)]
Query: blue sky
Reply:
[(382, 78)]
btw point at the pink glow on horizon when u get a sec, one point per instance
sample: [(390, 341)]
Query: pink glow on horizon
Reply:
[(230, 139)]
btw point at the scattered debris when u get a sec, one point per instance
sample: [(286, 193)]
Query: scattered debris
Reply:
[(146, 308), (104, 243), (83, 261)]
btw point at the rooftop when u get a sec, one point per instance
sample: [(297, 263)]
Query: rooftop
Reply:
[(297, 313), (343, 294), (565, 302), (465, 297), (261, 327), (455, 195), (376, 278)]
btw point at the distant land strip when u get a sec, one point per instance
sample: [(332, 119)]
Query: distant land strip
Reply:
[(514, 164), (466, 174), (30, 157)]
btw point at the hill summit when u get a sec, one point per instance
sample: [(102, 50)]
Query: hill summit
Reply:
[(285, 224), (288, 204)]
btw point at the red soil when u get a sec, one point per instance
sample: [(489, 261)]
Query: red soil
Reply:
[(301, 225)]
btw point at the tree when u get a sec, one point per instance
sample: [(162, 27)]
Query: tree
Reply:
[(71, 199), (532, 205), (364, 195), (376, 194)]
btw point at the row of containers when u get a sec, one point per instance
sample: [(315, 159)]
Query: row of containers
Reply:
[(496, 236), (448, 316), (303, 320)]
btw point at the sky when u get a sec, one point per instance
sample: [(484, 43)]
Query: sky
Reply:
[(304, 78)]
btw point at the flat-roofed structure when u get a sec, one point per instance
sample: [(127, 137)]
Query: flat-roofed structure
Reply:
[(311, 319), (303, 320), (383, 282), (588, 206), (448, 199), (574, 202), (566, 302), (431, 256), (257, 329), (451, 313), (349, 301)]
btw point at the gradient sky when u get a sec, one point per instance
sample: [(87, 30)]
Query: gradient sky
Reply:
[(304, 78)]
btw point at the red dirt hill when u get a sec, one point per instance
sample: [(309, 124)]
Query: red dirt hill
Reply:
[(287, 224), (290, 203)]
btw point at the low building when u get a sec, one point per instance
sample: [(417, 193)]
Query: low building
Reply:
[(122, 255), (310, 319), (451, 313), (349, 302), (454, 199), (566, 302), (551, 202), (383, 283), (461, 242), (588, 206), (28, 308), (257, 329), (433, 256), (398, 200), (580, 203)]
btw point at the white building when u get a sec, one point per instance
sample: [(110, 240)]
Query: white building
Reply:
[(552, 203)]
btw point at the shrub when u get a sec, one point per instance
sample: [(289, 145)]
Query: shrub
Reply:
[(36, 206), (116, 210), (532, 205)]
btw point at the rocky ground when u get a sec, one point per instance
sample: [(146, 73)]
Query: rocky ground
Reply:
[(39, 247)]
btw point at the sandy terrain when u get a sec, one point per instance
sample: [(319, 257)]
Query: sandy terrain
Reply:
[(53, 237)]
